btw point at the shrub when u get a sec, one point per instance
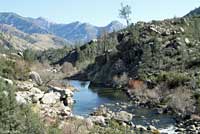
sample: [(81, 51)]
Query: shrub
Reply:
[(173, 79), (29, 55), (182, 100), (14, 69), (16, 119), (76, 126), (21, 69)]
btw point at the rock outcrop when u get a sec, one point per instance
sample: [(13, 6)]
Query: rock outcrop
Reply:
[(53, 103)]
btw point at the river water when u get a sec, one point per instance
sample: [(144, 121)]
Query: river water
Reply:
[(89, 98)]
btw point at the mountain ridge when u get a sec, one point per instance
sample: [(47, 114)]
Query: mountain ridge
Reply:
[(194, 12), (73, 32)]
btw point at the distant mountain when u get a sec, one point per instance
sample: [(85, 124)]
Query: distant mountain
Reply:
[(73, 32), (21, 23), (194, 12), (10, 37), (83, 32)]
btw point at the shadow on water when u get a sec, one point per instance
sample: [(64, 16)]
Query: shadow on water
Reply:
[(89, 98)]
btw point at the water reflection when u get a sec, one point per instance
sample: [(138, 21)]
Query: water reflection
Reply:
[(89, 98)]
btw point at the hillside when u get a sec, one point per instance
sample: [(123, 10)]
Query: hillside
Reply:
[(72, 32), (130, 51), (161, 56), (19, 40)]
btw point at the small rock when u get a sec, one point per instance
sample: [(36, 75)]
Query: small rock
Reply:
[(182, 30), (50, 98), (192, 127), (69, 101), (180, 130), (187, 41), (141, 128), (150, 127)]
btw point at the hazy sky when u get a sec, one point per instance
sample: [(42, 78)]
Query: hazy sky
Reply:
[(97, 12)]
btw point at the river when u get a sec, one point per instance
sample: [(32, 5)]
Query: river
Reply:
[(89, 98)]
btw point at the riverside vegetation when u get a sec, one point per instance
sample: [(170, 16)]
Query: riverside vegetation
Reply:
[(156, 63)]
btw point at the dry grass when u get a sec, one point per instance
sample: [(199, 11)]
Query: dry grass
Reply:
[(182, 100), (47, 73), (76, 126)]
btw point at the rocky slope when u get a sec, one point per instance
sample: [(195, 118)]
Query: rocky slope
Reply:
[(143, 51), (14, 38), (73, 32)]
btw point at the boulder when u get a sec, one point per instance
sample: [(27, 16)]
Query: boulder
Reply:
[(37, 94), (123, 116), (35, 90), (50, 98), (35, 77)]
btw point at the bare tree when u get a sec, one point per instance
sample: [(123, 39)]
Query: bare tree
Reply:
[(125, 12)]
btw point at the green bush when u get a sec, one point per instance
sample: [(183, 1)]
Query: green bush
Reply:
[(30, 55), (14, 69), (14, 118), (173, 79)]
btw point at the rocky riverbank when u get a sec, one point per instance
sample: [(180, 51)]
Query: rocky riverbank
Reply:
[(55, 103), (52, 103), (185, 122)]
